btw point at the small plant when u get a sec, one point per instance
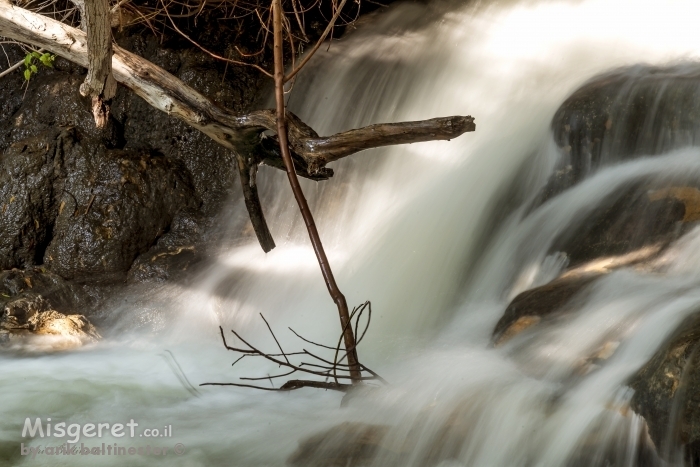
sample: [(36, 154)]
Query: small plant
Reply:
[(30, 63)]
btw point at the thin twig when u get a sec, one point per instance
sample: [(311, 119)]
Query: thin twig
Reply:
[(311, 342), (16, 65), (308, 56), (274, 337)]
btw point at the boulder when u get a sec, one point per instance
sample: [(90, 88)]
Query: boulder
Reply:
[(28, 323), (541, 303), (643, 214), (89, 204), (665, 392), (113, 206), (623, 114), (82, 210)]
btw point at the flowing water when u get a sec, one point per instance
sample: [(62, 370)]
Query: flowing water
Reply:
[(435, 235)]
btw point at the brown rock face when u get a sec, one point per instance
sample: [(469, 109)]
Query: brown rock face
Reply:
[(541, 303), (666, 392), (29, 324)]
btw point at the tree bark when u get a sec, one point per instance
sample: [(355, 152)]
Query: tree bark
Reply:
[(99, 83), (242, 134)]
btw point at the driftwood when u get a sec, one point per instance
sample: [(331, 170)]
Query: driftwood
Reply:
[(242, 134)]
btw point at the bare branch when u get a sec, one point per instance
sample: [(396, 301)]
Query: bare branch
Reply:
[(248, 170), (320, 40), (298, 384), (326, 271)]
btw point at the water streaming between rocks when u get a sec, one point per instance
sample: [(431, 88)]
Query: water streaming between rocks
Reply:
[(439, 236)]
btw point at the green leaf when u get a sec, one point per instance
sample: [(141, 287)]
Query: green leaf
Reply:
[(34, 69), (27, 74), (28, 59), (36, 54)]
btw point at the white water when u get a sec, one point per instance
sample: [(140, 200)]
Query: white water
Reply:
[(406, 229)]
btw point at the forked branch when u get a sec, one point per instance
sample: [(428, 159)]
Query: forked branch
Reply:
[(242, 134)]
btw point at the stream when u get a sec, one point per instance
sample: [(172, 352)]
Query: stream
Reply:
[(439, 236)]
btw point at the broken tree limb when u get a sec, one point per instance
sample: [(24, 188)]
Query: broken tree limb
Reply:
[(248, 171), (99, 83), (243, 134), (239, 133)]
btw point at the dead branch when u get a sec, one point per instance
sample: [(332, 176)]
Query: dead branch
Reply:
[(318, 366), (323, 262), (248, 170), (242, 134)]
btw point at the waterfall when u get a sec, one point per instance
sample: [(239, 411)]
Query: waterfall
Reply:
[(439, 236)]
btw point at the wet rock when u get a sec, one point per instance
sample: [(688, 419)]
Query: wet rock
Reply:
[(53, 101), (345, 445), (87, 202), (27, 179), (541, 303), (626, 113), (20, 286), (637, 216), (665, 392), (176, 254), (85, 211), (114, 205), (29, 323)]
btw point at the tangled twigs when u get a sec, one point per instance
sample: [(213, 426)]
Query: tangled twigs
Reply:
[(306, 362)]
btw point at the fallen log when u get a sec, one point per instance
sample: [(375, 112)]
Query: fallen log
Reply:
[(242, 134)]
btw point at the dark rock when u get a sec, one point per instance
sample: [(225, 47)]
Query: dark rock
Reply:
[(83, 210), (19, 289), (545, 302), (632, 218), (344, 445), (114, 205), (626, 113), (27, 198), (175, 254), (665, 392), (52, 102), (87, 202)]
